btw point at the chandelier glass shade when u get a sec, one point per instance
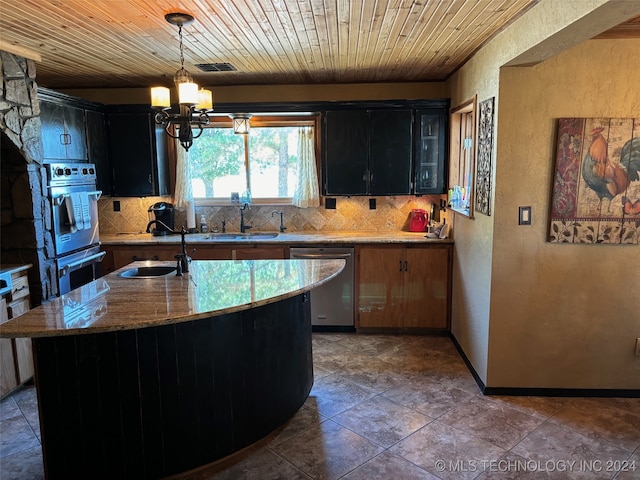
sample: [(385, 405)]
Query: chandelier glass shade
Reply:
[(194, 103), (241, 123)]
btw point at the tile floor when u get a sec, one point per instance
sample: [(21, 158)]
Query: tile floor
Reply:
[(404, 407)]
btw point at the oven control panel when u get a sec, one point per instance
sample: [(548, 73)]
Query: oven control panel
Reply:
[(71, 173)]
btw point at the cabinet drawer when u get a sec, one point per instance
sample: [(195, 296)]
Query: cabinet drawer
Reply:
[(20, 288), (18, 308)]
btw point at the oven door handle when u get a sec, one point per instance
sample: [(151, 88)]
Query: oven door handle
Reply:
[(59, 200), (97, 258)]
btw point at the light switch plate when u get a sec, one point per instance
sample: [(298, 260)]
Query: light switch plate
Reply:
[(524, 215)]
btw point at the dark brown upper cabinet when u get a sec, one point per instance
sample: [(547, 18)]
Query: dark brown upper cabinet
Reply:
[(138, 152), (368, 152), (63, 131), (430, 145)]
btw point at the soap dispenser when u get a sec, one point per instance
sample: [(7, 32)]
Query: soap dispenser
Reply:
[(204, 228)]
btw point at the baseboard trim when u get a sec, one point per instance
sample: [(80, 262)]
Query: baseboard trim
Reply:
[(543, 392), (563, 392), (476, 377), (332, 328)]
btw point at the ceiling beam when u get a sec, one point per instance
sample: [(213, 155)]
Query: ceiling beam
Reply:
[(20, 51)]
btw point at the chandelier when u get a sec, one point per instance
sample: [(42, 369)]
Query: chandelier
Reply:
[(194, 103)]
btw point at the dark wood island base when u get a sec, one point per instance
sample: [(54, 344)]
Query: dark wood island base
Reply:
[(158, 401)]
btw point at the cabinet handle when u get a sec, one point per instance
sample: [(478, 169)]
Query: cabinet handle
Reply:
[(400, 265), (406, 265), (65, 139)]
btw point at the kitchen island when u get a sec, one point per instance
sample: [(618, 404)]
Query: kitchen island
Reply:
[(154, 377)]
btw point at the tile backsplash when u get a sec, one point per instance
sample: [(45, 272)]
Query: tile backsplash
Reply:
[(350, 214)]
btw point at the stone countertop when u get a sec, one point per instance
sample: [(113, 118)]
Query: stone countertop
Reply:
[(297, 238), (210, 288)]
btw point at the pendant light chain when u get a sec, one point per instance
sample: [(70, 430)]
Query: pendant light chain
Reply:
[(181, 47)]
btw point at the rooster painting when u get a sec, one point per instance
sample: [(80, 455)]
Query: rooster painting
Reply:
[(606, 177), (596, 186)]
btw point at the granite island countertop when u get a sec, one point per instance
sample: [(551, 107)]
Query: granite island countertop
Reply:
[(293, 238), (210, 288)]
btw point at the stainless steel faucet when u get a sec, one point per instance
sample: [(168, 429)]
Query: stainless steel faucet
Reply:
[(243, 227), (282, 227)]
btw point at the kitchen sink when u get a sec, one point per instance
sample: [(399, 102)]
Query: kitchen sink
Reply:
[(147, 272)]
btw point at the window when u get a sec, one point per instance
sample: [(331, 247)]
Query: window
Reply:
[(264, 162), (462, 160)]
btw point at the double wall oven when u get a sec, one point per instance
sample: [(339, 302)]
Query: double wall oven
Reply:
[(73, 198)]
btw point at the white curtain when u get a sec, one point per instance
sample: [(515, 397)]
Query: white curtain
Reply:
[(183, 197), (307, 193)]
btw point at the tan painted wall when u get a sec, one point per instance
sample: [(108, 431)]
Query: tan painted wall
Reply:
[(550, 22), (281, 93), (561, 315)]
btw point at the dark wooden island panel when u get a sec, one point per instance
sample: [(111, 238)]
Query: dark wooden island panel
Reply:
[(159, 401)]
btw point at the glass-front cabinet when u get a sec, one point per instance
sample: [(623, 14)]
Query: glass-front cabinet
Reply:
[(430, 148)]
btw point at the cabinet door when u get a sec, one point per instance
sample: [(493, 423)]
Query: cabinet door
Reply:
[(130, 147), (390, 152), (124, 255), (209, 252), (138, 155), (24, 355), (346, 153), (53, 130), (426, 283), (8, 379), (380, 274), (74, 122), (97, 147), (430, 148)]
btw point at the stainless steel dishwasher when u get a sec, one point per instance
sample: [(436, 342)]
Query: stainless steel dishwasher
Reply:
[(331, 303)]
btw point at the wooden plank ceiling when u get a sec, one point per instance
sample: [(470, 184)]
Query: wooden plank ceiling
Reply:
[(128, 43)]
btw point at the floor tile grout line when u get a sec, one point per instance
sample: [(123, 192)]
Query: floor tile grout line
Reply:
[(286, 460), (35, 434), (567, 428)]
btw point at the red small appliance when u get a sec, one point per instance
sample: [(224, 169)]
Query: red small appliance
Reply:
[(418, 220)]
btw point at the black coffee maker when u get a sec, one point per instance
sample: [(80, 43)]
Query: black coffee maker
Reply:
[(161, 217)]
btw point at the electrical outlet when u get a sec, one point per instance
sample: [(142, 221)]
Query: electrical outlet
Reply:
[(637, 347), (116, 205)]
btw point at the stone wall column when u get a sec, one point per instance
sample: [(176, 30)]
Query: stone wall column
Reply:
[(26, 226)]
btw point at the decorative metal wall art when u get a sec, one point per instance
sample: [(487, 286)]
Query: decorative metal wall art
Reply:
[(596, 187), (485, 147)]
